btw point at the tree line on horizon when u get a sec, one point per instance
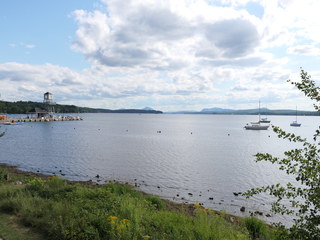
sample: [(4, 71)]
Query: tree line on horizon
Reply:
[(22, 107)]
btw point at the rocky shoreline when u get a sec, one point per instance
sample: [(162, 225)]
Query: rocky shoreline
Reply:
[(187, 207)]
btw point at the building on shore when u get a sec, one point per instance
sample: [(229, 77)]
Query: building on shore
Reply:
[(38, 113), (49, 103), (44, 114), (47, 111)]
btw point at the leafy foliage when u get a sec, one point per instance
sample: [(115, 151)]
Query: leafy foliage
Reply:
[(3, 174), (257, 229), (309, 88), (304, 165), (61, 210)]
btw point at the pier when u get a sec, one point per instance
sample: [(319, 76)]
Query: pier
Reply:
[(14, 121), (37, 114)]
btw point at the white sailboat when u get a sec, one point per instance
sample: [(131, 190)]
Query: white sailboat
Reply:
[(295, 123), (265, 119), (256, 125)]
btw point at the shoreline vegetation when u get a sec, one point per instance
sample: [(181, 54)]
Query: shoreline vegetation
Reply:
[(37, 206), (22, 107)]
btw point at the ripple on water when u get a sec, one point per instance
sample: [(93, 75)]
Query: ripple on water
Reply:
[(214, 161)]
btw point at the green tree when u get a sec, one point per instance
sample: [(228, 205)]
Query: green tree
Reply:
[(304, 165)]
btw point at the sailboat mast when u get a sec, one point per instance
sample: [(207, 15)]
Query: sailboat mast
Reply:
[(259, 111)]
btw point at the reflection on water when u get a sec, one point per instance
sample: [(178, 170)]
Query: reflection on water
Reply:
[(188, 158)]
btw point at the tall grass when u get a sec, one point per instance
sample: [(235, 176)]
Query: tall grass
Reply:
[(65, 211), (3, 175), (258, 229)]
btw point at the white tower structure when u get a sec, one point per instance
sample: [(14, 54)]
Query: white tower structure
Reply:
[(49, 103)]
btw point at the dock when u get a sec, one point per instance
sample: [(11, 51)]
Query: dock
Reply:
[(37, 114), (15, 121)]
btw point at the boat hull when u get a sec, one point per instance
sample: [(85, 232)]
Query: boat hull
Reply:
[(256, 127), (265, 120)]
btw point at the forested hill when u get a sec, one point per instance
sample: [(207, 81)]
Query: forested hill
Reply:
[(22, 107)]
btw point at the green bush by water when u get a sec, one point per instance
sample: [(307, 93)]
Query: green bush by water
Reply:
[(64, 211), (257, 229), (3, 175)]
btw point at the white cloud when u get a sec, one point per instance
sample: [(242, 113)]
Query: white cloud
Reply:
[(28, 45), (190, 42), (286, 22), (166, 36), (93, 31), (180, 54), (22, 44), (33, 80), (308, 50)]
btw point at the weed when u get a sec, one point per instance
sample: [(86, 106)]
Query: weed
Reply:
[(257, 229), (114, 211), (3, 174)]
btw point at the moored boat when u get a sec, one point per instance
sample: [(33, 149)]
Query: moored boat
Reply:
[(265, 120), (257, 125), (295, 123)]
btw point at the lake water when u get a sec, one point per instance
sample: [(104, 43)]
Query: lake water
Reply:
[(172, 156)]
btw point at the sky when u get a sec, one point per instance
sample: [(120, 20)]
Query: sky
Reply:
[(169, 55)]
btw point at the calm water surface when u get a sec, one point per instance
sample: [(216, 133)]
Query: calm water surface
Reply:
[(172, 156)]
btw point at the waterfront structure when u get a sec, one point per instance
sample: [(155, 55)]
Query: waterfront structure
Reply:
[(45, 114), (38, 113), (48, 110), (49, 103)]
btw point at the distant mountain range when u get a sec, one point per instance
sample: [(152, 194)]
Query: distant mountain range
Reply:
[(263, 111), (101, 110), (22, 107), (216, 110)]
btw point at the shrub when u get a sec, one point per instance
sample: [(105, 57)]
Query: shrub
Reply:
[(155, 201), (304, 164), (3, 174), (257, 229)]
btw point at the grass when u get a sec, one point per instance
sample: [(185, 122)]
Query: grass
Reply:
[(12, 229), (257, 228), (63, 210)]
